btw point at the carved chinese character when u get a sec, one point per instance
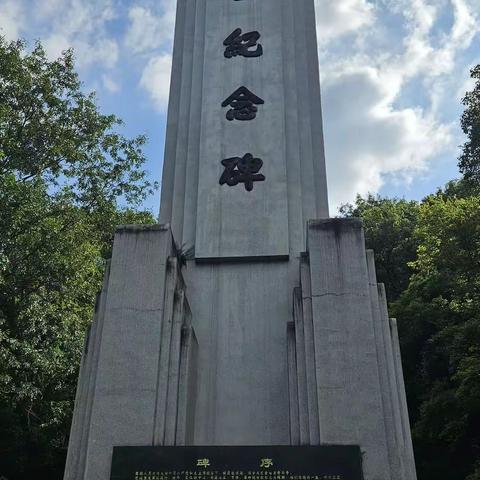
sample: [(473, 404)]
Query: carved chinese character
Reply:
[(241, 44), (242, 170), (242, 103), (266, 463), (203, 462)]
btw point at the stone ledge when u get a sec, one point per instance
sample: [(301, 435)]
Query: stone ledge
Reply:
[(245, 259), (156, 227), (335, 224)]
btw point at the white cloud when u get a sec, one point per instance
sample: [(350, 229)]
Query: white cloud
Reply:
[(338, 17), (11, 12), (142, 34), (110, 84), (467, 85), (421, 57), (55, 44), (369, 137), (156, 79), (103, 51), (148, 30), (78, 24)]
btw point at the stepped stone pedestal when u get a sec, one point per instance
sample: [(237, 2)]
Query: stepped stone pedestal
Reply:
[(302, 357)]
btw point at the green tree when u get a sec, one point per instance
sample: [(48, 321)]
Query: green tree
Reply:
[(389, 226), (439, 321), (64, 170), (469, 161), (50, 129)]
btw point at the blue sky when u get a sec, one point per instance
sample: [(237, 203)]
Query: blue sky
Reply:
[(393, 74)]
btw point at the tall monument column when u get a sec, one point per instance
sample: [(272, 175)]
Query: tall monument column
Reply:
[(278, 76), (247, 317)]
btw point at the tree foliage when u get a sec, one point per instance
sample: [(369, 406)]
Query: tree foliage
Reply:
[(439, 321), (469, 161), (49, 128), (63, 169)]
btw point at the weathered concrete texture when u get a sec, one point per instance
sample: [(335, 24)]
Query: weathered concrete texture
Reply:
[(229, 222), (407, 437), (301, 363), (293, 385), (77, 449), (137, 382), (333, 376), (240, 312), (390, 410), (306, 298), (354, 360)]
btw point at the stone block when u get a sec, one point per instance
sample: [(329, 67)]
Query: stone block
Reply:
[(127, 395), (347, 370)]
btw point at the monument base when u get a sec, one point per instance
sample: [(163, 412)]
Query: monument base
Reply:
[(328, 375)]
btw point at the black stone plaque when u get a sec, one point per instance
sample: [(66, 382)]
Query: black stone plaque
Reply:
[(237, 463)]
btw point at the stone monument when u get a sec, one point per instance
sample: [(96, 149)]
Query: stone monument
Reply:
[(246, 317)]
